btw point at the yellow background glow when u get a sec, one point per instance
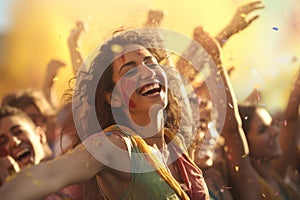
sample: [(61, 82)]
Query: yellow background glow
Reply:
[(263, 58)]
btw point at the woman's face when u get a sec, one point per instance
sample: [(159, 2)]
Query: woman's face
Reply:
[(141, 84), (263, 136)]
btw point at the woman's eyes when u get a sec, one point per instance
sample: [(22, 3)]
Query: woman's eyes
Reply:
[(151, 65), (131, 72)]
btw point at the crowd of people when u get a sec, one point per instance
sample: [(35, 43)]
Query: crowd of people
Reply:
[(141, 122)]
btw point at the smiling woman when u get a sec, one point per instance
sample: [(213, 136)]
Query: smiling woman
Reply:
[(138, 154)]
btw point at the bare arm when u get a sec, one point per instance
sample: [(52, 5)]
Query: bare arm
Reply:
[(288, 131), (76, 57), (73, 167), (240, 21), (243, 176), (52, 70), (40, 180), (154, 18)]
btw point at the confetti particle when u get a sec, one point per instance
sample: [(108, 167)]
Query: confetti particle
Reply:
[(275, 28), (225, 148), (224, 40), (236, 168), (246, 117), (230, 105), (55, 79), (229, 157), (285, 123)]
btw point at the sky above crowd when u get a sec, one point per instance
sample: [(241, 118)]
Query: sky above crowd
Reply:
[(265, 55)]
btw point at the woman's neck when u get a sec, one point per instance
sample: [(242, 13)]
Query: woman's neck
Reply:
[(151, 126), (157, 140)]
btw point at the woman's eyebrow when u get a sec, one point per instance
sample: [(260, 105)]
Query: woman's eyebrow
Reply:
[(149, 58), (126, 65), (133, 63)]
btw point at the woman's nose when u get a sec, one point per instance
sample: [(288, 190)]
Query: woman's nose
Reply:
[(146, 71)]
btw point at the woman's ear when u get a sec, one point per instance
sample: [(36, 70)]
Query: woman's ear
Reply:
[(40, 131), (113, 100)]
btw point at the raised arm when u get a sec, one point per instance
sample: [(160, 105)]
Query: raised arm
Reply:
[(241, 20), (289, 130), (76, 57), (242, 175), (154, 18), (51, 72)]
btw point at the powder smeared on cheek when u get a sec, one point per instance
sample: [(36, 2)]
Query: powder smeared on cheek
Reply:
[(129, 85), (131, 104)]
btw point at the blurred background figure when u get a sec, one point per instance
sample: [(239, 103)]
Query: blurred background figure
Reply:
[(34, 103)]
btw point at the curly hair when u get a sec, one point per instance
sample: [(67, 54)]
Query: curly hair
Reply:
[(102, 66)]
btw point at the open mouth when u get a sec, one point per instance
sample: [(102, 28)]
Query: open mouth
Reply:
[(23, 155), (150, 89)]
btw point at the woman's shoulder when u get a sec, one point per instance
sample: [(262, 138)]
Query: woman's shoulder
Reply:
[(107, 139), (111, 148)]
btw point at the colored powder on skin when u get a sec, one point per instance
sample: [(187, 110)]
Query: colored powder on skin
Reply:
[(3, 152), (128, 84), (127, 99), (131, 104), (123, 58)]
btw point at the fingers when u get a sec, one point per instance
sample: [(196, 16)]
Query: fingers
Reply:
[(53, 67), (80, 25), (158, 14), (56, 63), (75, 32), (230, 70), (155, 18), (248, 8), (249, 21), (8, 166)]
